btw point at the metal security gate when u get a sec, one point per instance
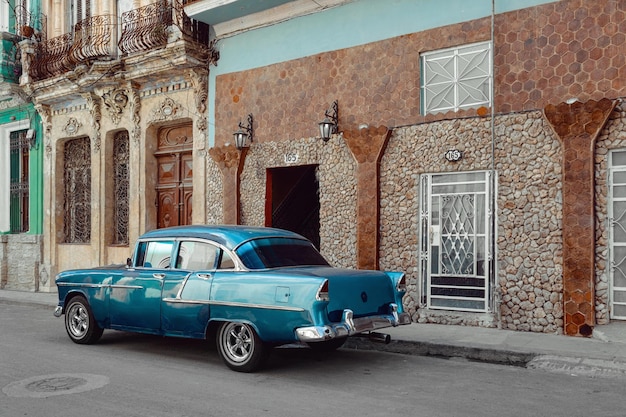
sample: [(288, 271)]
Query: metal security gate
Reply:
[(617, 234), (455, 241)]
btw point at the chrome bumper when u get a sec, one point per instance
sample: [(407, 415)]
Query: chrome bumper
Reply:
[(350, 326)]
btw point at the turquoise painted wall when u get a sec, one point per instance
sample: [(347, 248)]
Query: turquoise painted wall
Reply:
[(25, 112), (357, 23), (28, 112)]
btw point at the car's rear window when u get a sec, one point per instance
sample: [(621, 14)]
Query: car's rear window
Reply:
[(279, 252)]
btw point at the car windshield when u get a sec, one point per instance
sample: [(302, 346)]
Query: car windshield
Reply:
[(277, 252)]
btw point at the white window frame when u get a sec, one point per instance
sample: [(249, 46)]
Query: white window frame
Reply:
[(617, 258), (457, 78), (5, 171)]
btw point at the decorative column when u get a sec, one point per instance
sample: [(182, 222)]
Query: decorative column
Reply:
[(230, 161), (578, 126), (367, 147)]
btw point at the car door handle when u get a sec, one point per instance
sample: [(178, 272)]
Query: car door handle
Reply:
[(159, 276), (204, 276)]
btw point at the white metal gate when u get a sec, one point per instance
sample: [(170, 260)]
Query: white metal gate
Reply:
[(617, 234), (455, 241)]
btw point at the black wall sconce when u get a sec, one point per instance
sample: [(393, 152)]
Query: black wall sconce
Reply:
[(244, 132), (330, 123)]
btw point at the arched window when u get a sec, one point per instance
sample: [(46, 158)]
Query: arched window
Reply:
[(121, 168), (77, 192)]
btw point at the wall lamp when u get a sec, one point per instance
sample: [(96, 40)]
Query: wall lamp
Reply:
[(330, 123), (31, 137), (244, 132)]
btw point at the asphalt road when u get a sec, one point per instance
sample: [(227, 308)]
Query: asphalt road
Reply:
[(42, 373)]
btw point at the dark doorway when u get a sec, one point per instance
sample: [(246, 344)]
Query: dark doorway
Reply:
[(293, 201)]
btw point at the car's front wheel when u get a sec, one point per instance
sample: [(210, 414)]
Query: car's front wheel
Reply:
[(80, 324), (240, 347)]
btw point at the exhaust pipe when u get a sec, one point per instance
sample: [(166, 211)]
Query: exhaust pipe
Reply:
[(379, 337)]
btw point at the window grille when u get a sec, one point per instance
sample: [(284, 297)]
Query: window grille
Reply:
[(121, 158), (456, 78), (19, 188), (77, 176)]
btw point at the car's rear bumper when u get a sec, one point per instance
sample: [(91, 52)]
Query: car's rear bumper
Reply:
[(350, 326)]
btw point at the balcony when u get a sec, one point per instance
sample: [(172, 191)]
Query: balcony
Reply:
[(107, 37)]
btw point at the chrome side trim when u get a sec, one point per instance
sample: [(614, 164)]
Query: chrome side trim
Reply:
[(81, 285), (233, 304), (128, 287)]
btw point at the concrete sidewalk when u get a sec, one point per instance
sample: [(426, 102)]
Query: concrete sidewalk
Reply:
[(603, 355)]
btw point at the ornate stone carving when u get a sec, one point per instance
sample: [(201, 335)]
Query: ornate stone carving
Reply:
[(72, 127), (96, 115), (213, 53), (46, 119), (16, 99), (166, 111), (200, 85), (136, 113), (115, 101)]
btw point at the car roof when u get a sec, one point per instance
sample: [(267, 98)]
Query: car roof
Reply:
[(230, 236)]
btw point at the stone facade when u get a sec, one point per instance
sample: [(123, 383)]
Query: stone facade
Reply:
[(547, 276), (20, 261)]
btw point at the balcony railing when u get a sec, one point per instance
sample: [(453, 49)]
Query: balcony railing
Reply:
[(145, 28), (52, 57), (29, 24), (95, 38)]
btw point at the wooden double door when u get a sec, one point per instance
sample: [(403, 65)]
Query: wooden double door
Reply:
[(174, 187)]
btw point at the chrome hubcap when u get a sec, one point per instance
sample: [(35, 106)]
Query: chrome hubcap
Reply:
[(238, 342), (78, 320)]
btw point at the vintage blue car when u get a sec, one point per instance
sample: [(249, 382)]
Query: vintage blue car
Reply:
[(252, 288)]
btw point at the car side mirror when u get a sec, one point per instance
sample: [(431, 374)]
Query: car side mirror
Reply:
[(129, 262)]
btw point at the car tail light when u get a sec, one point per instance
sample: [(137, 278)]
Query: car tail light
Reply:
[(322, 293), (401, 285)]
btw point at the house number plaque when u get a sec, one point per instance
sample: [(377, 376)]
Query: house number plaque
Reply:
[(291, 157)]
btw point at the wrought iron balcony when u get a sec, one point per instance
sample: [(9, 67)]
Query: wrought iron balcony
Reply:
[(30, 24), (95, 38)]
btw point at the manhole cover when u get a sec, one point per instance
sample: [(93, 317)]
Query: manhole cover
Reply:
[(58, 384)]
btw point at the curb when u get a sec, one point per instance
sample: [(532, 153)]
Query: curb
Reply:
[(495, 356)]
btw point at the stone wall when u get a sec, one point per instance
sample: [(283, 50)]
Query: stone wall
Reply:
[(20, 260), (527, 159), (337, 190)]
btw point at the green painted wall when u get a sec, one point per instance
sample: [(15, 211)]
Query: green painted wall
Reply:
[(28, 112)]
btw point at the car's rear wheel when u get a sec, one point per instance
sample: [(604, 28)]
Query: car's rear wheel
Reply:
[(80, 324), (328, 345), (240, 347)]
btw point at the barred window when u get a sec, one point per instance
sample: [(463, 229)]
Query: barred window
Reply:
[(19, 157), (456, 78), (77, 192), (121, 160)]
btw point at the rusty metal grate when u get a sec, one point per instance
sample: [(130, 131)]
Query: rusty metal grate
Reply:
[(121, 160), (77, 193)]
